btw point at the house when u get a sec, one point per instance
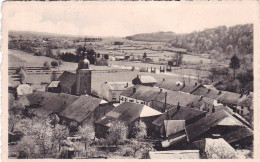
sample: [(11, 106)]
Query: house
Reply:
[(215, 148), (177, 86), (111, 91), (79, 83), (156, 97), (128, 113), (208, 91), (174, 154), (245, 106), (44, 104), (186, 115), (230, 99), (82, 111), (221, 122), (144, 80), (24, 89), (54, 87)]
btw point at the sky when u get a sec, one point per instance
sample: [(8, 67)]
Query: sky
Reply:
[(124, 19)]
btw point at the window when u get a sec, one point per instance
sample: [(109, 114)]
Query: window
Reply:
[(125, 99), (131, 100), (242, 107), (122, 98), (242, 112)]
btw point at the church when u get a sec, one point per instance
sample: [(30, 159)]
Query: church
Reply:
[(74, 84)]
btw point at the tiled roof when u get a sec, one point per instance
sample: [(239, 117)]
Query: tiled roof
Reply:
[(81, 108), (229, 97), (128, 112), (174, 86), (239, 134), (206, 123), (49, 102), (175, 114), (54, 84), (119, 85), (246, 100), (67, 79), (147, 79)]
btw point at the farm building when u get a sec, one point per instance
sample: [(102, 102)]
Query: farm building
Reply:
[(156, 97), (43, 104), (79, 83), (128, 113), (111, 90), (177, 86), (144, 80), (215, 148), (84, 110), (54, 87), (184, 114)]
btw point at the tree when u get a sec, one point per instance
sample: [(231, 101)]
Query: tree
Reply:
[(230, 50), (60, 133), (139, 130), (145, 55), (53, 76), (234, 64), (87, 134), (54, 63), (27, 148), (46, 65), (118, 133)]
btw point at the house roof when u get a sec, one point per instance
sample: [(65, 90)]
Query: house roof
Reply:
[(229, 97), (144, 93), (246, 100), (119, 85), (174, 86), (54, 84), (212, 120), (175, 154), (48, 103), (173, 114), (81, 108), (206, 91), (239, 134), (147, 79), (128, 112), (218, 144), (173, 126), (67, 79)]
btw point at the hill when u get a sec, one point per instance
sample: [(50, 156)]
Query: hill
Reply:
[(216, 41)]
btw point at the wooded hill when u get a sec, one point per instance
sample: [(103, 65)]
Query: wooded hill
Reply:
[(229, 40)]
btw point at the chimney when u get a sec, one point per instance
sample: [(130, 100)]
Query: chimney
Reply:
[(178, 106), (195, 84), (134, 90), (201, 97), (163, 79), (183, 84), (160, 89), (241, 95), (219, 92), (208, 90), (126, 84), (213, 109)]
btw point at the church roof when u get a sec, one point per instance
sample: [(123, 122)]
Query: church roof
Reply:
[(67, 79)]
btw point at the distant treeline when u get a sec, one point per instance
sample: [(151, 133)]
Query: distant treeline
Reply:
[(221, 40)]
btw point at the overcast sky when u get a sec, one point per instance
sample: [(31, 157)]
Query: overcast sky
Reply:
[(123, 19)]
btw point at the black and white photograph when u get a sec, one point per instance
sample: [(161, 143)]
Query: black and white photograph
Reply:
[(115, 80)]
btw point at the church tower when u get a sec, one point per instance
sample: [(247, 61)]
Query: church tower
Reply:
[(83, 82)]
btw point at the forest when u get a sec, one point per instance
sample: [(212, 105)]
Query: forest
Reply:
[(216, 41)]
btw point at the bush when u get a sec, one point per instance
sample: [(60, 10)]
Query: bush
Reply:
[(118, 133), (46, 65), (54, 63)]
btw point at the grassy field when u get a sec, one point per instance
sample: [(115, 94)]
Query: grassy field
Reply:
[(18, 58)]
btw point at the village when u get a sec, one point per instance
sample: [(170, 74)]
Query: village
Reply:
[(144, 115)]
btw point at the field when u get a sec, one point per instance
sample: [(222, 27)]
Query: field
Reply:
[(100, 74)]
